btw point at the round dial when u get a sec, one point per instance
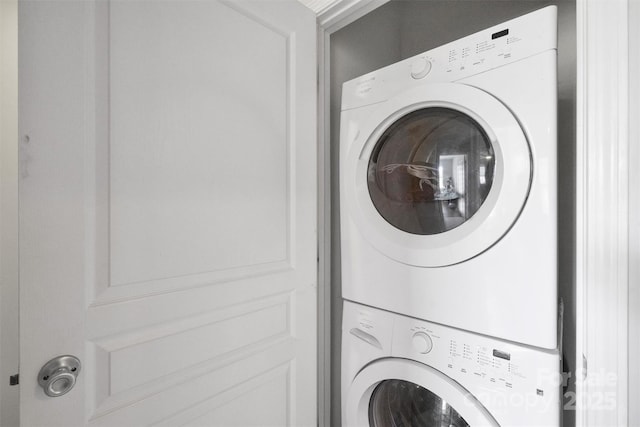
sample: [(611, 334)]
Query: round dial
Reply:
[(422, 342), (420, 68)]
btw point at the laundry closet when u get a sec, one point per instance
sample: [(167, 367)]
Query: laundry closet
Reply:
[(595, 197), (401, 29)]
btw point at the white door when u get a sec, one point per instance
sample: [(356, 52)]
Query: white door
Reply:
[(168, 211)]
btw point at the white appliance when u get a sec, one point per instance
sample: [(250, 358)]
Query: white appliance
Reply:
[(448, 183), (397, 370)]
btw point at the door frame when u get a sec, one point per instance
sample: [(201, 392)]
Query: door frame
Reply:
[(337, 16), (8, 211), (634, 207), (602, 222), (602, 229)]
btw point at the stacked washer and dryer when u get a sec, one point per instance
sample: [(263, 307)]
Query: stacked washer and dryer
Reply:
[(449, 234)]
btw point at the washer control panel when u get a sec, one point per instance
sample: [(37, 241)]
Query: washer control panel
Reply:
[(468, 357)]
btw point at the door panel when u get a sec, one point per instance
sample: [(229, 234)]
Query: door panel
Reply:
[(168, 211), (180, 140)]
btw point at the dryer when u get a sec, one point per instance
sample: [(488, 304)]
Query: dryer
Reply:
[(397, 370), (448, 182)]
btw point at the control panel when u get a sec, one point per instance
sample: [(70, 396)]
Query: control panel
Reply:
[(470, 55), (497, 46), (466, 357), (481, 51)]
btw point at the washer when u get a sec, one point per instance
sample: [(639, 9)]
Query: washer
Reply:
[(397, 370), (448, 183)]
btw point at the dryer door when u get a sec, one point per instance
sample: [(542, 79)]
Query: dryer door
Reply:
[(437, 175), (399, 392)]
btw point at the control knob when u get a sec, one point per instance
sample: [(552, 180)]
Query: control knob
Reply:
[(420, 68), (422, 342)]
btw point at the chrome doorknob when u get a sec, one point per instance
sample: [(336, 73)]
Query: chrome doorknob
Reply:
[(58, 375)]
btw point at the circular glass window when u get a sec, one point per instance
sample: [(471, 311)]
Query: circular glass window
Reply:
[(431, 171), (404, 404)]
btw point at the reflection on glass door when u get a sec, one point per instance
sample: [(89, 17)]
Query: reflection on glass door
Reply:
[(397, 403), (431, 171), (451, 176)]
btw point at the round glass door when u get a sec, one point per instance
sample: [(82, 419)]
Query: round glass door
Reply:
[(430, 171), (398, 403), (405, 393), (435, 175)]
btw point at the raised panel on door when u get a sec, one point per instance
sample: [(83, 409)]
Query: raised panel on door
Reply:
[(190, 128), (169, 210)]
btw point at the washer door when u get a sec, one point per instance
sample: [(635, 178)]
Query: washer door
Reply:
[(438, 174), (399, 392)]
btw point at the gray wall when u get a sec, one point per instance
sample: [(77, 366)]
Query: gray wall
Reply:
[(403, 28)]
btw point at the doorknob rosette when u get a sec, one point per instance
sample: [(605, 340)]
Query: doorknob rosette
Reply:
[(58, 375)]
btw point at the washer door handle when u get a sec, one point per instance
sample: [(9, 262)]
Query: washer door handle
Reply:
[(58, 375)]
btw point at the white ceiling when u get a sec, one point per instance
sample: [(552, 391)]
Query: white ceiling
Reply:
[(318, 5)]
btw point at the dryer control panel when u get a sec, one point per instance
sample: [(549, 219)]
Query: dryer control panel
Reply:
[(500, 45)]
